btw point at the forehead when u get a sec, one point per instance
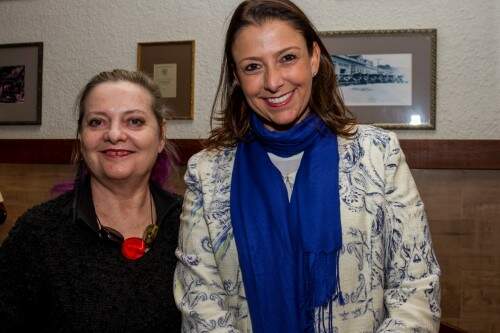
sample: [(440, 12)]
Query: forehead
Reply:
[(120, 95), (269, 36)]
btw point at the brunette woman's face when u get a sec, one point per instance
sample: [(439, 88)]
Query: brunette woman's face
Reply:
[(275, 71)]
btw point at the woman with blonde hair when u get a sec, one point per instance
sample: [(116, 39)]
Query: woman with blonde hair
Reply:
[(100, 258)]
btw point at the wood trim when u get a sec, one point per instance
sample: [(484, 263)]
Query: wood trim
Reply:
[(452, 154), (420, 154), (36, 151)]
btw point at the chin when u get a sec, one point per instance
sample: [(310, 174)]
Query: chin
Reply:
[(283, 123)]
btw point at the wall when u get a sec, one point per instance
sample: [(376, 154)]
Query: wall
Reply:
[(82, 38)]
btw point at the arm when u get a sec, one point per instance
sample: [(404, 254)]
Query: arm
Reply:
[(198, 287), (412, 293), (20, 278)]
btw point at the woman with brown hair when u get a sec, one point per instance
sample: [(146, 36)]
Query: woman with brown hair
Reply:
[(295, 218), (100, 257)]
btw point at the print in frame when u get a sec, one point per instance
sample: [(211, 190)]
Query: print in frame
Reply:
[(21, 67), (171, 65), (387, 77)]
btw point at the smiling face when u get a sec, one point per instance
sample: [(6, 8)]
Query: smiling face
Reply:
[(120, 135), (275, 71)]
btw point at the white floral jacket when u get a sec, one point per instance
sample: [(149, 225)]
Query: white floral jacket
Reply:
[(388, 270)]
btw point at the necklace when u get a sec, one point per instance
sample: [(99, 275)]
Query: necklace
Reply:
[(132, 248)]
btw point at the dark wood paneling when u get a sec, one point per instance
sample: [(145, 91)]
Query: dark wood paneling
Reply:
[(421, 154), (452, 154), (186, 148), (47, 151), (59, 151)]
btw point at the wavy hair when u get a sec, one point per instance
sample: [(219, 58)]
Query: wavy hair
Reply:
[(230, 109)]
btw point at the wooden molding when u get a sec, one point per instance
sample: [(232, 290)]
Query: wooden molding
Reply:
[(420, 154), (452, 154)]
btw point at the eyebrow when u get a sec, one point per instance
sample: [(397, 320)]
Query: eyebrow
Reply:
[(275, 53), (100, 112)]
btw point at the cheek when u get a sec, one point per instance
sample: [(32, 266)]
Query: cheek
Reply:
[(250, 87), (87, 141)]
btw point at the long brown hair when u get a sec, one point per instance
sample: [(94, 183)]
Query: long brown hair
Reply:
[(230, 108)]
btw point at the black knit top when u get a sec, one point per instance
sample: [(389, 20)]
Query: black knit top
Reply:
[(58, 275)]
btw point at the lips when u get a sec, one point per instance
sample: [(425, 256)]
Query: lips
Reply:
[(114, 153), (279, 101)]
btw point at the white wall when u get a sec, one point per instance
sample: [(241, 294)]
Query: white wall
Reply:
[(82, 38)]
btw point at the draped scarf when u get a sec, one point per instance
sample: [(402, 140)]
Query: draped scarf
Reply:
[(288, 249)]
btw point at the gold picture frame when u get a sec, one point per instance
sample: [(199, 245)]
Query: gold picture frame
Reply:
[(171, 65)]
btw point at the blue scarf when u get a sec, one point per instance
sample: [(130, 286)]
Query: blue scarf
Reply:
[(288, 250)]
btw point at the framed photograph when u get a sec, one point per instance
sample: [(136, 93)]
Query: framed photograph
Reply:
[(21, 67), (387, 77), (171, 65)]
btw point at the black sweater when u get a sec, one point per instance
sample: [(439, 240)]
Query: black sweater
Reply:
[(58, 275)]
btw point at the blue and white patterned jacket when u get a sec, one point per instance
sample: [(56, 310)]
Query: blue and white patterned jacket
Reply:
[(388, 270)]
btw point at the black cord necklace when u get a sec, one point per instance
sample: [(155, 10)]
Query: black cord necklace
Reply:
[(132, 248)]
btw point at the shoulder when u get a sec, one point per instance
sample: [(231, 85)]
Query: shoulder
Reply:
[(210, 162), (368, 134), (207, 157), (371, 139), (43, 218)]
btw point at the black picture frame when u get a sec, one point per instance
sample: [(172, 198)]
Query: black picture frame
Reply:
[(21, 77)]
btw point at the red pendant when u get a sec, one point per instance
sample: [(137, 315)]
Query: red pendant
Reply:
[(133, 248)]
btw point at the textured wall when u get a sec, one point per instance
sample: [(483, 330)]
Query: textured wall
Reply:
[(82, 38)]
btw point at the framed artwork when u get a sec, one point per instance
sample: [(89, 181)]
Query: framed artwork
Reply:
[(21, 67), (387, 77), (171, 65)]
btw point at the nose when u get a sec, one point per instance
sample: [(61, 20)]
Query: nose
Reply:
[(273, 79), (115, 133)]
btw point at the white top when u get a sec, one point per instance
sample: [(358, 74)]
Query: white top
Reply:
[(288, 167)]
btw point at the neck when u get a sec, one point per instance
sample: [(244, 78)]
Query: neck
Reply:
[(124, 208)]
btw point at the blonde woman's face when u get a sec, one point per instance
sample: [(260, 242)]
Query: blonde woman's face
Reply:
[(120, 135)]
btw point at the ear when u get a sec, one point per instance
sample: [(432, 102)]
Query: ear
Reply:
[(163, 138), (235, 75), (315, 58)]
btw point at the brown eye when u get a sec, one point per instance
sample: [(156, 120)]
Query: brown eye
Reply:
[(288, 58), (95, 122), (251, 68), (136, 122)]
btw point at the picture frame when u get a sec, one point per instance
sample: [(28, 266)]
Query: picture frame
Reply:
[(171, 65), (21, 76), (387, 77)]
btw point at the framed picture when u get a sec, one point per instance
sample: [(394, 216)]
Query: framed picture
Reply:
[(21, 67), (171, 65), (387, 77)]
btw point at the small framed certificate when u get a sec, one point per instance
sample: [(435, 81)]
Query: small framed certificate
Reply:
[(171, 66)]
